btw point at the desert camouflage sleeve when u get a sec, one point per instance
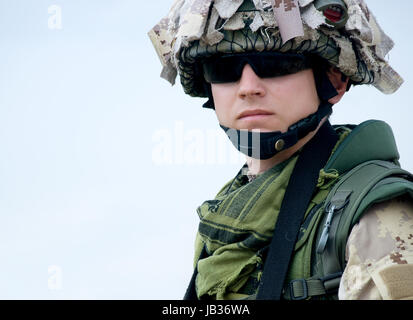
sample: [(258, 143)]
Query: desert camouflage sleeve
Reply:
[(380, 254)]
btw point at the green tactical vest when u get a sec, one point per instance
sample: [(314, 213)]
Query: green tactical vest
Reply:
[(364, 170)]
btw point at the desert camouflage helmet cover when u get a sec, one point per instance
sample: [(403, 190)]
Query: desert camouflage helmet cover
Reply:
[(196, 29)]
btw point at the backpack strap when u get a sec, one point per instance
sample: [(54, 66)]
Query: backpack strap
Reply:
[(368, 183)]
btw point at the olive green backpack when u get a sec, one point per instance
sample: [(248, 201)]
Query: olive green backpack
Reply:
[(369, 173)]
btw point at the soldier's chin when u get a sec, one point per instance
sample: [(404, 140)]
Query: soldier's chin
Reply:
[(259, 123)]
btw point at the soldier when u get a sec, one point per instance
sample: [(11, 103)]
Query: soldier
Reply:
[(318, 211)]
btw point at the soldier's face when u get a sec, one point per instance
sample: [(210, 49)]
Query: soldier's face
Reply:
[(268, 104)]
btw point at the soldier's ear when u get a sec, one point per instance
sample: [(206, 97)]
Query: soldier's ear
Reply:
[(340, 83)]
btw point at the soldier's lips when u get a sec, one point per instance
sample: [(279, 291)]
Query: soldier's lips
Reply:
[(254, 114)]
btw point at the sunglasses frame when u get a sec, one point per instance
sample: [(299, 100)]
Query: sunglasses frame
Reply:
[(264, 64)]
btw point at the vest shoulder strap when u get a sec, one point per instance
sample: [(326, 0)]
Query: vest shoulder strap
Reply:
[(368, 183)]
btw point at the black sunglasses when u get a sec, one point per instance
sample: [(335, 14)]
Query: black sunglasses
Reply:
[(228, 68)]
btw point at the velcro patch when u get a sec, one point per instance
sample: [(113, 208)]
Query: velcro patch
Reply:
[(396, 282)]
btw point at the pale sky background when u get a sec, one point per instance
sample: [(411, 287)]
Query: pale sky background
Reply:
[(89, 208)]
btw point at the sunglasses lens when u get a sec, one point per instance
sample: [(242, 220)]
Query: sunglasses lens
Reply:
[(269, 67), (221, 70), (229, 68)]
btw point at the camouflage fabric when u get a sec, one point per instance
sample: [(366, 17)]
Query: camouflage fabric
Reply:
[(201, 28), (380, 254)]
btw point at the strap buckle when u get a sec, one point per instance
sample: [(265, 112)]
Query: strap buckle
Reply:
[(331, 282), (303, 284)]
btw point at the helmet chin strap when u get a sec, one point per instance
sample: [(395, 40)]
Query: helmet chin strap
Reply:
[(265, 145)]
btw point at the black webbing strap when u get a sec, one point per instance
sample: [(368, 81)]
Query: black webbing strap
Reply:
[(296, 200)]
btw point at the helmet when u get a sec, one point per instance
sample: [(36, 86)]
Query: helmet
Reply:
[(340, 33), (343, 33)]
